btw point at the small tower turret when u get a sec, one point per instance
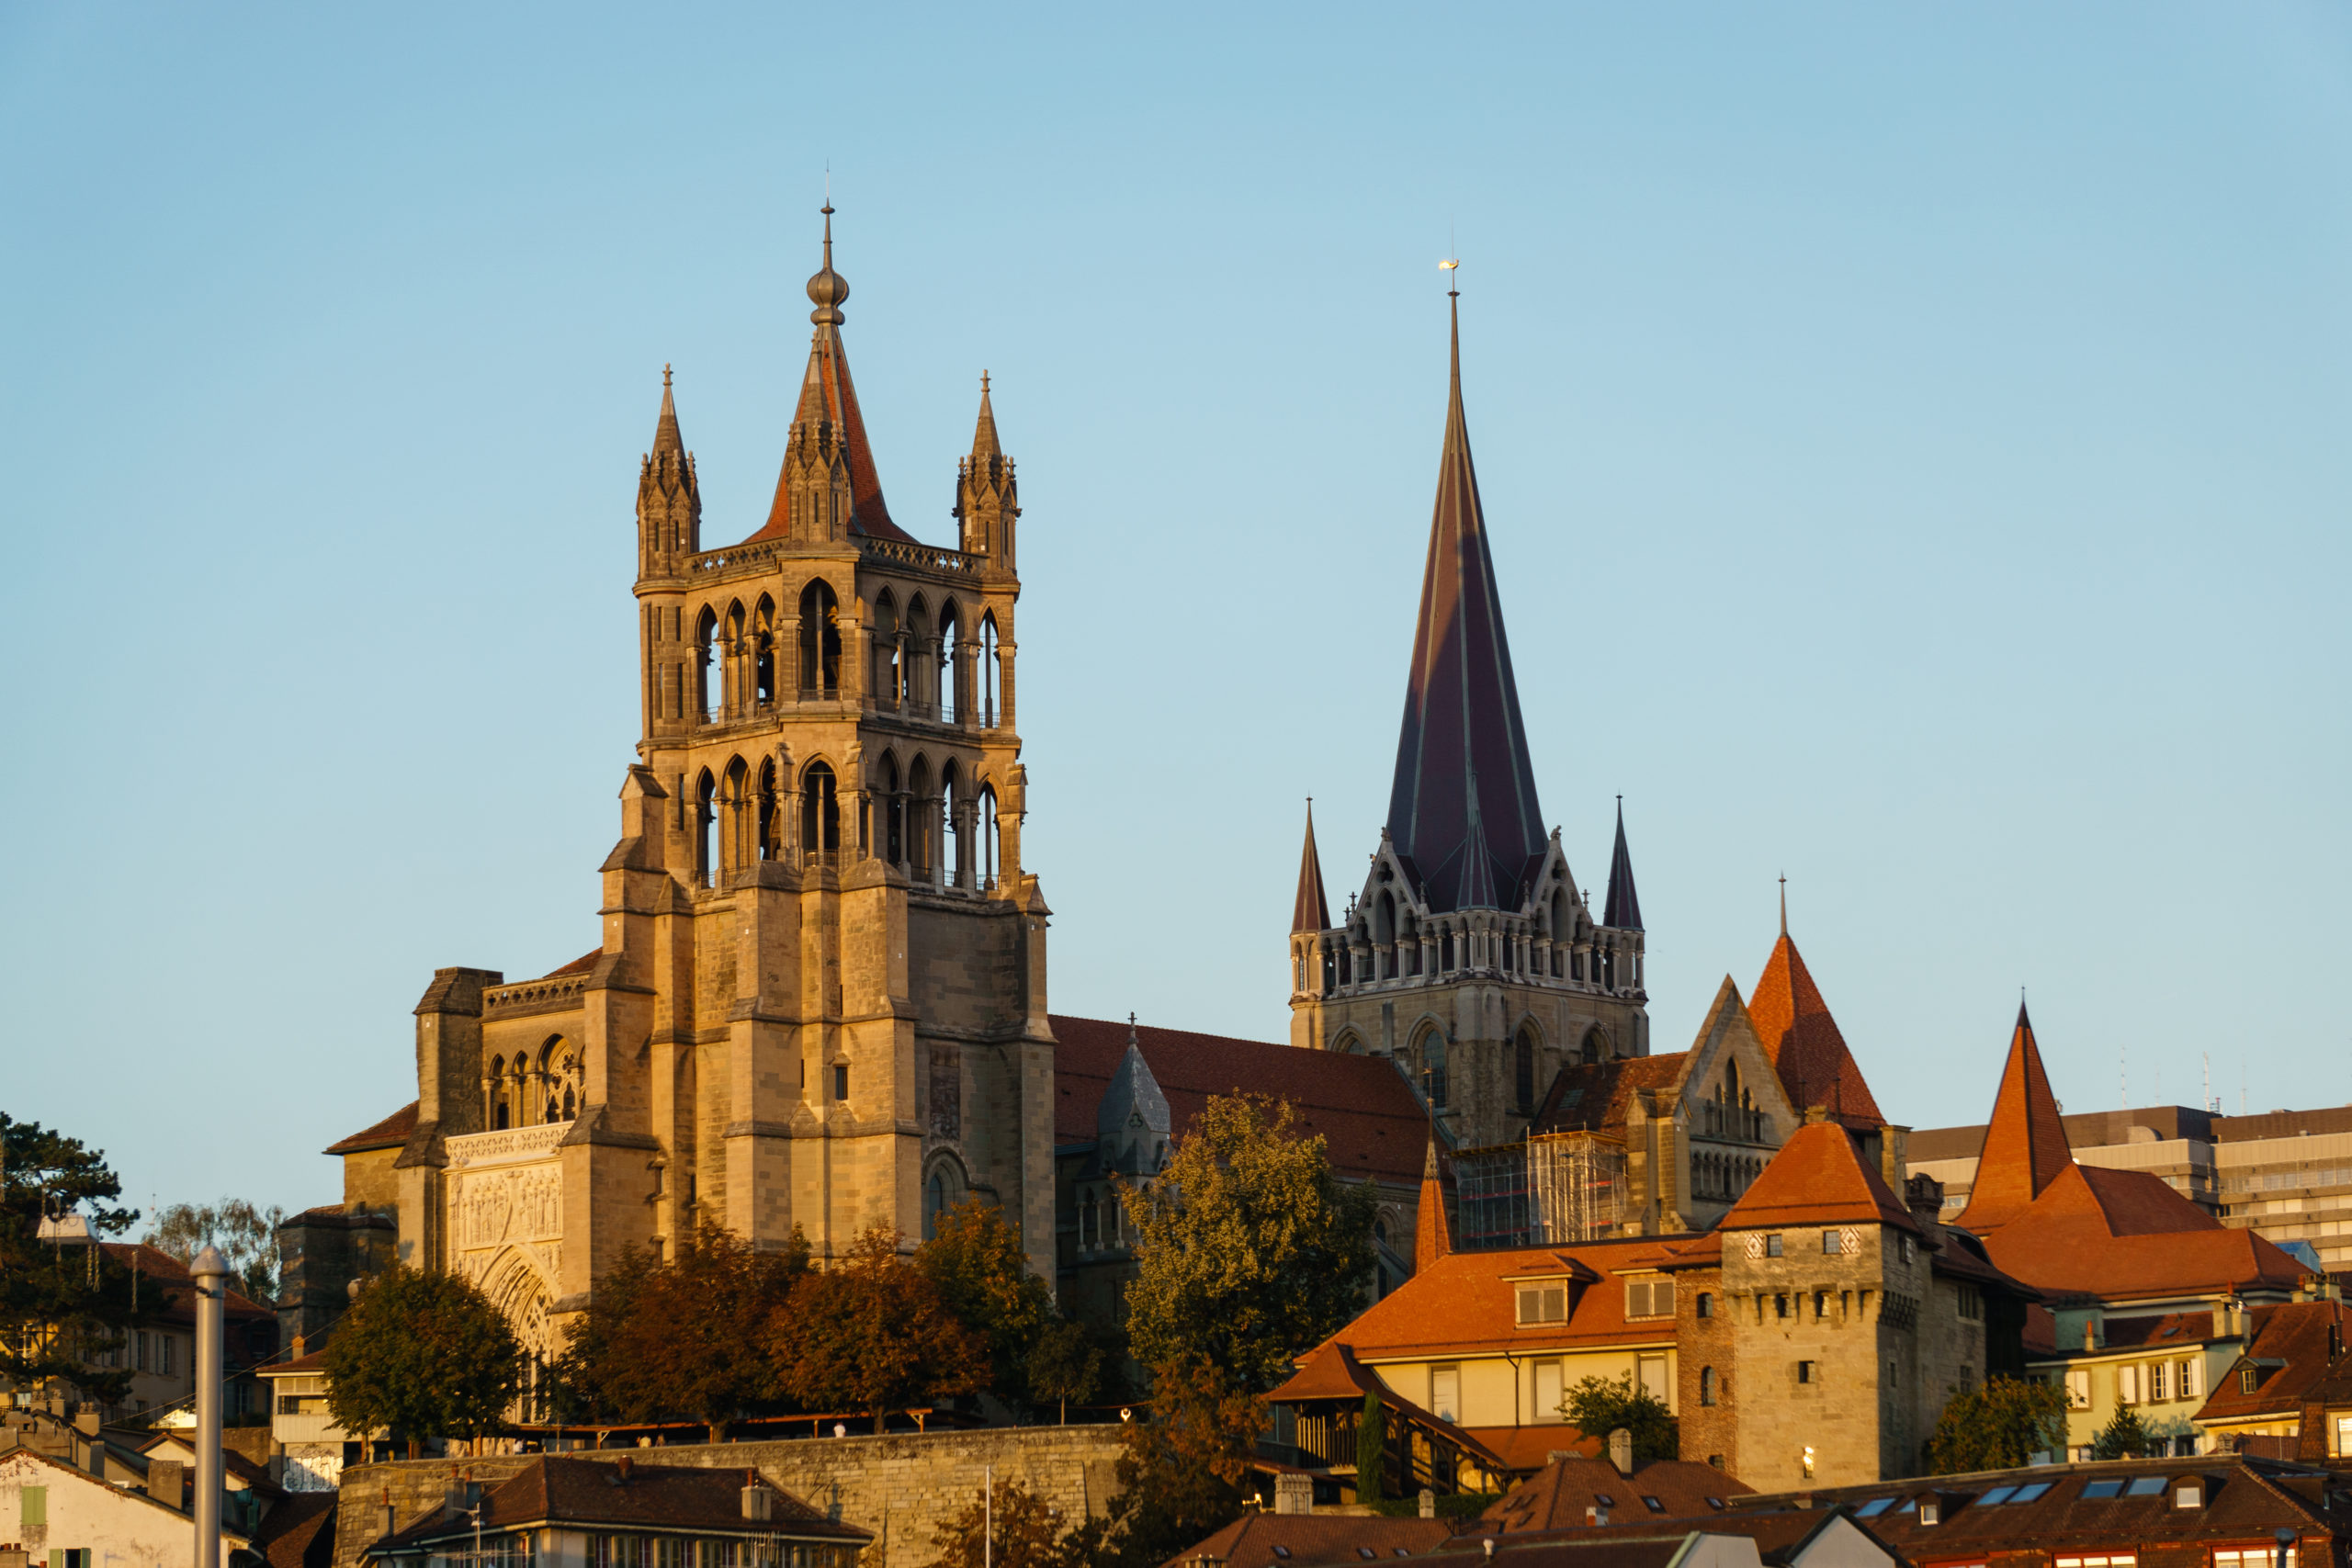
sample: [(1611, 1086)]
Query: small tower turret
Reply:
[(987, 499), (669, 500)]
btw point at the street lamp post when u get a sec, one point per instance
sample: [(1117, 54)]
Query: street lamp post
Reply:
[(212, 1270)]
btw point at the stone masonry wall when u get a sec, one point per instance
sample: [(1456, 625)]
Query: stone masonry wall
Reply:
[(902, 1486)]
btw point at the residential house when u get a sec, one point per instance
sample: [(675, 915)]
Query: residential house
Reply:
[(2289, 1393), (572, 1512), (2145, 1291), (62, 1514)]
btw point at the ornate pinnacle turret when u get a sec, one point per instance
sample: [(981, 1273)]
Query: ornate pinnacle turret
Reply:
[(987, 498), (669, 501), (1625, 907)]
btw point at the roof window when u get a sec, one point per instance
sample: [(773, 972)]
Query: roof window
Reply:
[(1283, 1553), (1715, 1503), (2028, 1494), (1874, 1508), (2146, 1486), (1604, 1499), (1403, 1551), (1654, 1506), (1998, 1494), (2096, 1489), (1365, 1552)]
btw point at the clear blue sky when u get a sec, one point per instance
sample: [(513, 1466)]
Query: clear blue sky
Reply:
[(1913, 439)]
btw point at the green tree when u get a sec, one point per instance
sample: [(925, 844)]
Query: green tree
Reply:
[(1181, 1470), (1597, 1406), (1999, 1426), (872, 1334), (62, 1306), (975, 1260), (246, 1236), (682, 1340), (1372, 1450), (424, 1354), (1064, 1364), (1250, 1249), (1013, 1528), (2122, 1437)]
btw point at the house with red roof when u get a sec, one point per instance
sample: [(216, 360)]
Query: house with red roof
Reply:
[(2146, 1298)]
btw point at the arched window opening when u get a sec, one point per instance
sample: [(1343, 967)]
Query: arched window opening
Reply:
[(736, 822), (988, 834), (1706, 1385), (935, 1204), (763, 690), (951, 665), (890, 645), (1408, 944), (1433, 1070), (820, 640), (705, 654), (956, 853), (820, 815), (705, 827), (501, 1113), (770, 825), (988, 672), (920, 660), (922, 812), (735, 643), (894, 814), (1595, 1047), (1522, 1070), (562, 1072), (1384, 934)]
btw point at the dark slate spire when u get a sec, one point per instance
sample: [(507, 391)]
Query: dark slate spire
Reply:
[(1464, 791), (1131, 1123), (1624, 907), (828, 397), (1309, 912)]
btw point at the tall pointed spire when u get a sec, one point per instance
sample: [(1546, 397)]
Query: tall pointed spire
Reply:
[(828, 414), (2025, 1143), (666, 439), (1624, 907), (1308, 911), (1462, 740), (984, 442), (1433, 1237), (1793, 1024)]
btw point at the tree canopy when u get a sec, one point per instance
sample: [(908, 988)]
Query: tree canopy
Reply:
[(63, 1306), (247, 1237), (2124, 1437), (424, 1354), (684, 1339), (872, 1333), (1013, 1528), (2000, 1425), (974, 1260), (1597, 1406), (1251, 1248), (1182, 1470)]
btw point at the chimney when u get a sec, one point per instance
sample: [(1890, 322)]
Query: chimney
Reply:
[(85, 1420), (300, 1342), (1923, 1196), (1621, 1450), (1427, 1509), (2090, 1334), (384, 1515), (1596, 1515), (759, 1503), (166, 1480), (621, 1470), (1294, 1494)]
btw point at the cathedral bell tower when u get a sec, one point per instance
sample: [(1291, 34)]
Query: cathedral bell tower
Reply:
[(1469, 957), (821, 995)]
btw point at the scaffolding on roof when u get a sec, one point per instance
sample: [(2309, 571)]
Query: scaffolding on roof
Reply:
[(1551, 1190)]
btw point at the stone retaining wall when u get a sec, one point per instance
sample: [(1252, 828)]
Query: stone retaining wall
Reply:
[(900, 1486)]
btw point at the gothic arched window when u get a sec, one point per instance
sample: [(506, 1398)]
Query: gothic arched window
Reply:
[(1433, 1070), (1522, 1070), (820, 812), (820, 639)]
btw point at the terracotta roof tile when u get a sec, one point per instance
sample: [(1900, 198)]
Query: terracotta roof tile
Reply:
[(1306, 1540), (1792, 1022), (1556, 1497), (1818, 1179), (579, 966), (1596, 1094), (2114, 1235), (389, 1134), (298, 1531), (1363, 1107), (591, 1491), (2025, 1143), (2306, 1337)]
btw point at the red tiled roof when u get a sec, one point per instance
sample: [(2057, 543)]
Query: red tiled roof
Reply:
[(579, 966), (2114, 1235), (157, 1267), (1817, 1179), (1557, 1497), (2159, 1329), (1466, 1303), (1526, 1449), (298, 1531), (1596, 1094), (1306, 1541), (1793, 1024), (591, 1492), (2306, 1336), (389, 1134), (1363, 1107), (828, 393), (2025, 1143)]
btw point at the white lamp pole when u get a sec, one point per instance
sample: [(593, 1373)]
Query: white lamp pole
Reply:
[(212, 1270)]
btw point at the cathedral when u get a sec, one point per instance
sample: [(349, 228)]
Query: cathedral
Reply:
[(818, 996)]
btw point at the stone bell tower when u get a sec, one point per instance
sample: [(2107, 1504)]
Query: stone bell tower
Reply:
[(1469, 957)]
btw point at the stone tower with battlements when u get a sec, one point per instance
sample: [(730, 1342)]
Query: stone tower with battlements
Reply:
[(1469, 957), (819, 999)]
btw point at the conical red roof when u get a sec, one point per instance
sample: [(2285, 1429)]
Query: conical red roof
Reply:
[(1817, 1180), (1308, 911), (1794, 1025), (2025, 1143)]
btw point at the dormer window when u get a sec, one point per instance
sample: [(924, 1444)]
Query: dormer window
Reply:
[(1649, 1298), (1543, 1302)]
